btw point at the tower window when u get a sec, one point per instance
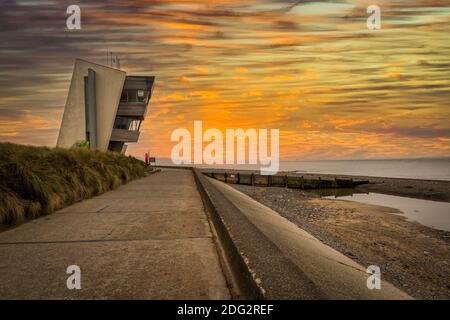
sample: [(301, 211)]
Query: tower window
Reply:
[(141, 95), (134, 96), (126, 123)]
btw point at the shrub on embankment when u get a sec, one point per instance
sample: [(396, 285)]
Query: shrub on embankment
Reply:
[(38, 180)]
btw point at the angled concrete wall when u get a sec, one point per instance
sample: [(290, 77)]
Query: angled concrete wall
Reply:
[(109, 84)]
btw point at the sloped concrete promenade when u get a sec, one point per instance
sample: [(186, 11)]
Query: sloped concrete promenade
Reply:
[(298, 260)]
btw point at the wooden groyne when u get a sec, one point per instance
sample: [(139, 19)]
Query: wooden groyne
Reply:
[(297, 182)]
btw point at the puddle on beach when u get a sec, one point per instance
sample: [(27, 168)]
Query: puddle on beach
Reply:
[(434, 214)]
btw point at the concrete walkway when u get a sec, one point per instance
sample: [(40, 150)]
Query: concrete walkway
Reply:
[(149, 239)]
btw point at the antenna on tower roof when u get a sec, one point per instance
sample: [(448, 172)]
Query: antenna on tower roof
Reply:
[(112, 61)]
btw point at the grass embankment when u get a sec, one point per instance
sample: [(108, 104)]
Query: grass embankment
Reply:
[(37, 180)]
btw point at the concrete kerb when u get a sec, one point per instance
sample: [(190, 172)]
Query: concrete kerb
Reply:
[(154, 171), (238, 276), (254, 266)]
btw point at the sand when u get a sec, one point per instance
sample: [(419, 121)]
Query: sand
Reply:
[(411, 256)]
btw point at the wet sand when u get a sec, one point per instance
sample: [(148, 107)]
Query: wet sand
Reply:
[(413, 257), (423, 189)]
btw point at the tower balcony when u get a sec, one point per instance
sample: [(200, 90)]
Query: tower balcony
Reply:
[(136, 109), (123, 135)]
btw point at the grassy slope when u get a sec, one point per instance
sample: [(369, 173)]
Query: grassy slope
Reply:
[(39, 180)]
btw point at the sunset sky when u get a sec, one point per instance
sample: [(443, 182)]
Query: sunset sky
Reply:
[(311, 69)]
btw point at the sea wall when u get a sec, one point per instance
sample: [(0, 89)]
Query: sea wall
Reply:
[(297, 182)]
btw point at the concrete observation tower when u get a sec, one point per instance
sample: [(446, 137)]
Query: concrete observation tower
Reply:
[(104, 106)]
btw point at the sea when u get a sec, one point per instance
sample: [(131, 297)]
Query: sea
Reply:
[(430, 169), (424, 168)]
